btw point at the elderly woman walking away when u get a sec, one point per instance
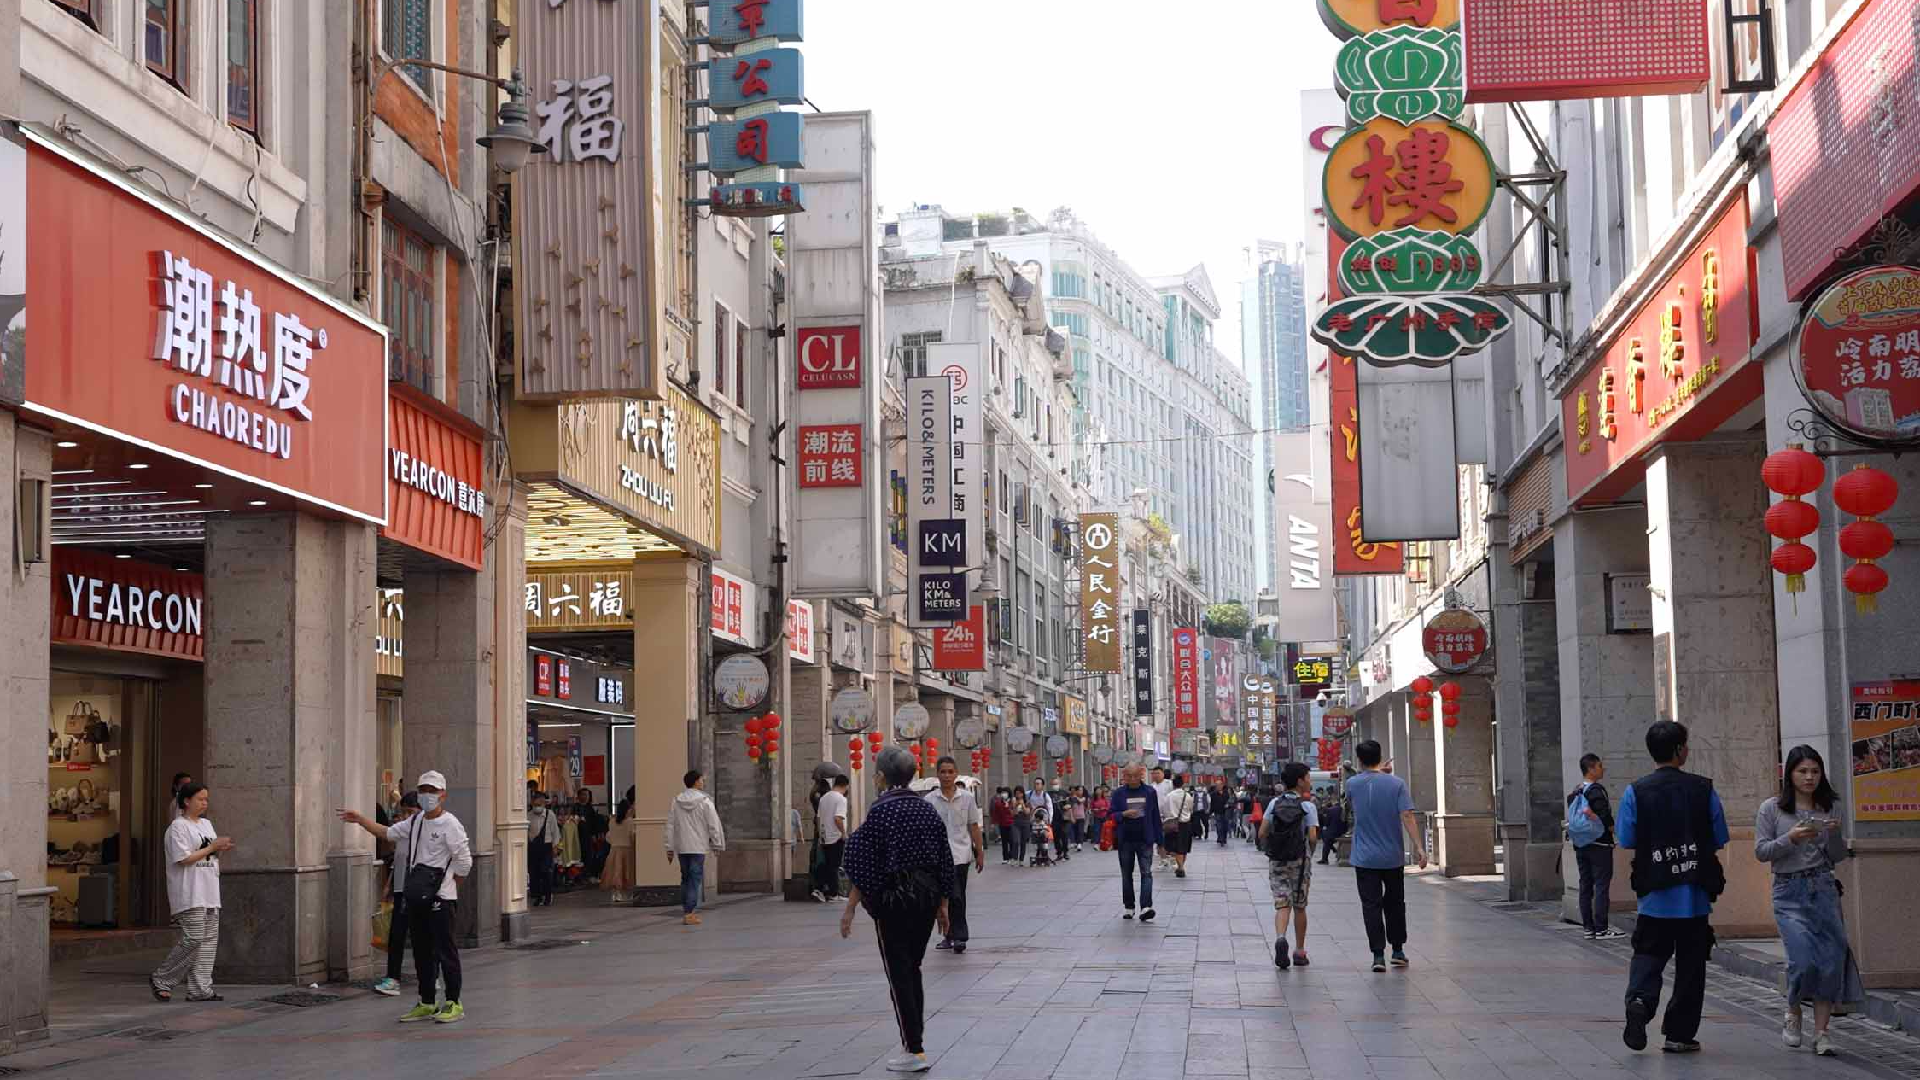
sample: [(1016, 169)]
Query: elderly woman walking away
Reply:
[(1797, 832), (193, 887), (901, 866)]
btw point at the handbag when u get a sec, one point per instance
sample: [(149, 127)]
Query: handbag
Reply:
[(423, 879), (906, 891)]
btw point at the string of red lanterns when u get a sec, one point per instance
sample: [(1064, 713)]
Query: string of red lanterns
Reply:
[(1422, 688), (763, 737), (1866, 493), (1450, 704), (1791, 473)]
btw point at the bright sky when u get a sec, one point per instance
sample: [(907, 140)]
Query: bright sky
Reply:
[(1173, 129)]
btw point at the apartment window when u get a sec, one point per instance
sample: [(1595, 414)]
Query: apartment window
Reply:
[(87, 11), (741, 352), (406, 32), (722, 346), (407, 294), (243, 65), (913, 351), (167, 40)]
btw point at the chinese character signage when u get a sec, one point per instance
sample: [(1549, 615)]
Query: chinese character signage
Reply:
[(1859, 361), (771, 140), (1407, 185), (1454, 640), (736, 613), (1313, 670), (1186, 677), (1886, 751), (1140, 655), (149, 329), (586, 598), (752, 140), (827, 357), (1552, 50), (962, 646), (771, 76), (959, 362), (800, 630), (1676, 370), (830, 456), (589, 213), (436, 475), (1353, 553), (1074, 716), (1100, 591)]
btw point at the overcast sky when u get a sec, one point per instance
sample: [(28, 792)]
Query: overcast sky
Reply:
[(1173, 129)]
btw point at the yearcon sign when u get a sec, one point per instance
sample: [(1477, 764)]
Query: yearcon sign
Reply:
[(436, 479), (149, 329), (127, 605)]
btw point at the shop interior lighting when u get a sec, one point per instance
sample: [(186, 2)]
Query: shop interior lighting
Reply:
[(139, 465), (561, 527), (66, 444), (256, 502), (204, 487)]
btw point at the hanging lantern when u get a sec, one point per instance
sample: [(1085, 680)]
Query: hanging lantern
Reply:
[(875, 738), (1450, 709), (1422, 685), (1866, 539), (853, 745), (753, 752), (1793, 560), (1451, 720), (1865, 581), (1449, 691), (1865, 492), (771, 720), (1792, 472), (753, 725), (933, 744), (1791, 519), (753, 739)]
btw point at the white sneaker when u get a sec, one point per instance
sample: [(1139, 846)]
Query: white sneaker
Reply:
[(819, 896), (909, 1063), (1790, 1032), (1822, 1045), (1126, 913)]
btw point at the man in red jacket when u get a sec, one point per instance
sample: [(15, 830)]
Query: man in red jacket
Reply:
[(1001, 814)]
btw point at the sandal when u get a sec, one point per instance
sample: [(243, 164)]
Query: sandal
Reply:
[(160, 993)]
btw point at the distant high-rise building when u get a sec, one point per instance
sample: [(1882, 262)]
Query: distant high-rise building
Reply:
[(1273, 342)]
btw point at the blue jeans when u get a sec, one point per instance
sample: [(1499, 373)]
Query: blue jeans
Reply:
[(693, 869), (1136, 852)]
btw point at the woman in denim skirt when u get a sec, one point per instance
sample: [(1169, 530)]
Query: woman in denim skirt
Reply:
[(1796, 831)]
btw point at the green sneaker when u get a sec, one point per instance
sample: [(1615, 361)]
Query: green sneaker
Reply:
[(422, 1011), (450, 1013)]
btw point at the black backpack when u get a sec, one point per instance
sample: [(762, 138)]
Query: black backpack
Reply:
[(1286, 838)]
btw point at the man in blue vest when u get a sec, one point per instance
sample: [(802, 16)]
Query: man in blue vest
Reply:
[(1673, 822)]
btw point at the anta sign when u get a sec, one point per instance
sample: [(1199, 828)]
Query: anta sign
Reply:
[(828, 357)]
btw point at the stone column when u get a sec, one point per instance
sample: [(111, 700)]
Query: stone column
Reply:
[(1463, 831), (1713, 646), (448, 722), (506, 563), (1606, 680), (289, 737), (26, 598), (667, 624)]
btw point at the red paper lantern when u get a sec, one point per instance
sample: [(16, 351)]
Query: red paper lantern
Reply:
[(1793, 560), (772, 738), (1451, 720), (933, 744), (1865, 580), (753, 739), (1865, 492), (1449, 691), (1792, 519), (853, 745), (854, 763), (753, 752), (876, 738), (1793, 471), (753, 725), (1450, 708), (1866, 539), (1422, 685)]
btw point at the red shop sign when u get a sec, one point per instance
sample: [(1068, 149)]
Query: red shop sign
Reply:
[(543, 675), (150, 329), (1352, 552), (436, 500), (828, 357), (962, 646), (1551, 50), (1454, 640), (830, 456), (1675, 371), (127, 605), (1859, 360), (1186, 678)]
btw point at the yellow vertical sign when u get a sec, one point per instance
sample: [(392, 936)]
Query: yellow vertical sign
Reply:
[(1100, 591)]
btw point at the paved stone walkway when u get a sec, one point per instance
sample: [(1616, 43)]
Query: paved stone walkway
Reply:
[(1055, 985)]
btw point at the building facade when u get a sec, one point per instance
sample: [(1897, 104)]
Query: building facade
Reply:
[(1273, 348)]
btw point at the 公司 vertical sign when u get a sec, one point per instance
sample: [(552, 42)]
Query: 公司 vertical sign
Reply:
[(833, 282), (1100, 591), (589, 213), (1186, 678), (1140, 653)]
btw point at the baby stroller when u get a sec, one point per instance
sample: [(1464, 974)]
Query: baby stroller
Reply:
[(1042, 844)]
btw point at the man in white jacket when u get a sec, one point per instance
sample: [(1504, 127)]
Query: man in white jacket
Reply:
[(693, 830)]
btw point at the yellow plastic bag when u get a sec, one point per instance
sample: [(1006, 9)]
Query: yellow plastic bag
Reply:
[(382, 924)]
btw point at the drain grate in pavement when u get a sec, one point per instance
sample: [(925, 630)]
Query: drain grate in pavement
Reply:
[(262, 1006), (301, 999), (543, 944), (1510, 905), (147, 1034)]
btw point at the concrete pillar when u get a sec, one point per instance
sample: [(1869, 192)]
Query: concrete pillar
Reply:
[(1420, 767), (1713, 647), (668, 622), (1606, 680), (289, 737), (1528, 704), (448, 722), (1463, 830), (507, 564), (25, 596)]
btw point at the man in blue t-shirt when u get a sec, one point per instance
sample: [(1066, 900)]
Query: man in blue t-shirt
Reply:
[(1382, 812), (1675, 826)]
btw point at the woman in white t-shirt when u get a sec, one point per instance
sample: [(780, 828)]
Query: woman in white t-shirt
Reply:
[(192, 848)]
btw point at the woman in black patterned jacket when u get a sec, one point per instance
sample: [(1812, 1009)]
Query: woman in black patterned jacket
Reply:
[(901, 867)]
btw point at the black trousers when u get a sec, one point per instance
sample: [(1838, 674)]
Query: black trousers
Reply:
[(1060, 838), (1383, 906), (957, 905), (435, 955), (827, 880), (1688, 943), (1006, 843), (539, 872), (1596, 881), (903, 945), (397, 937)]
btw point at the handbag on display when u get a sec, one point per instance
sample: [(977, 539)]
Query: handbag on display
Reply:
[(83, 714)]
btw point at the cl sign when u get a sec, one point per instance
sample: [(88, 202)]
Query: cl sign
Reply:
[(829, 357)]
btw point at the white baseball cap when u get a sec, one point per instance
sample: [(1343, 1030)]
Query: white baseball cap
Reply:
[(433, 780)]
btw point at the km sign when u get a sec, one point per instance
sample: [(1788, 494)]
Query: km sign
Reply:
[(943, 542), (829, 357)]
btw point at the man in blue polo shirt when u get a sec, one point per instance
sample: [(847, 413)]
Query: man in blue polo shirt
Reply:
[(1673, 822)]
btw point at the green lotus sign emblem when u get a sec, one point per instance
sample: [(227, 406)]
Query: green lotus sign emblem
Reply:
[(1410, 261), (1404, 73), (1428, 331)]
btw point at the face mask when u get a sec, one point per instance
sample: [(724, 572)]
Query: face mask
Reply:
[(429, 802)]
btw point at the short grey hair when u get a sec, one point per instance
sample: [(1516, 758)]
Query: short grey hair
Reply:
[(896, 766)]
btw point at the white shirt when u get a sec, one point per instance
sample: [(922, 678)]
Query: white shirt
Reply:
[(196, 885), (958, 812), (832, 805), (1164, 789), (1177, 806), (440, 841)]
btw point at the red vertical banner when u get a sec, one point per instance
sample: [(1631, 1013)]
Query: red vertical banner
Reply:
[(1186, 678), (1352, 554)]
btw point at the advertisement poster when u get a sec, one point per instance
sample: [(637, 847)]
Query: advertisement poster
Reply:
[(1186, 678), (1886, 750)]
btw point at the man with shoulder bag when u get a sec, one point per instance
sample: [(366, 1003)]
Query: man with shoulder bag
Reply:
[(438, 858)]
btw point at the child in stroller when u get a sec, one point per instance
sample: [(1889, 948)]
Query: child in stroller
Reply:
[(1042, 843)]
